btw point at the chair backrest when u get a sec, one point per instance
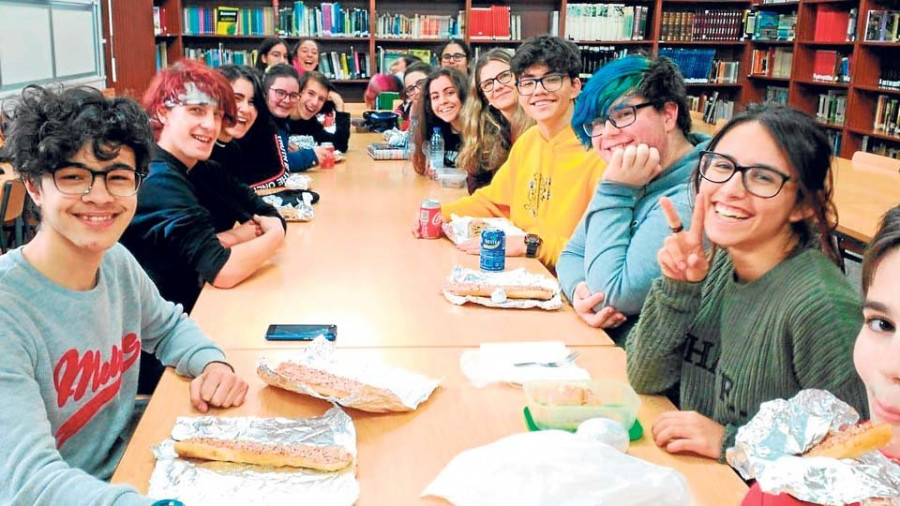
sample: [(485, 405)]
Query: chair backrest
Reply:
[(12, 200), (720, 123), (875, 163)]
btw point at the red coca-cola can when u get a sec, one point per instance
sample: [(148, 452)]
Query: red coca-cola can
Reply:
[(430, 219), (327, 161)]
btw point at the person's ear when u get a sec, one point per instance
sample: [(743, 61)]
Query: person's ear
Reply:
[(162, 115), (34, 190), (576, 87), (670, 115)]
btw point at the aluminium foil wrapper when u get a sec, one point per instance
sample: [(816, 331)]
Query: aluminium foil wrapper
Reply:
[(516, 277), (372, 386), (302, 211), (457, 229), (196, 482), (769, 449)]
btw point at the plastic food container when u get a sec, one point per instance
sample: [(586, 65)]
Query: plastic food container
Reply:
[(453, 178), (556, 404)]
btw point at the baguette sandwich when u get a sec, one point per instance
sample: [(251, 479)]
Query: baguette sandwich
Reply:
[(512, 291), (853, 441), (322, 458)]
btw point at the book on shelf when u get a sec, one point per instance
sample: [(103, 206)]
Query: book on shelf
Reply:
[(887, 110), (344, 65), (832, 107), (602, 22), (159, 21), (490, 23), (712, 25), (712, 106), (890, 74), (227, 20), (418, 26), (328, 19), (695, 63), (554, 23), (880, 147), (835, 137), (831, 66), (771, 62), (882, 25), (831, 24), (777, 94), (770, 25), (723, 72), (162, 56)]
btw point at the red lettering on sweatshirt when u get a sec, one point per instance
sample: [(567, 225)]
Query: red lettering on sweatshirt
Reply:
[(73, 374)]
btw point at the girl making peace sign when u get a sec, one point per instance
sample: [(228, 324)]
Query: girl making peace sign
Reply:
[(765, 313)]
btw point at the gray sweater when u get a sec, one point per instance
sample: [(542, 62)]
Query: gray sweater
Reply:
[(733, 346), (68, 376)]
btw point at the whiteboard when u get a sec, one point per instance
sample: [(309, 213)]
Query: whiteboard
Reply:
[(26, 53), (43, 41), (74, 48)]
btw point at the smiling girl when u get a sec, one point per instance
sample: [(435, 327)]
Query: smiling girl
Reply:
[(248, 100), (770, 313), (305, 56), (443, 95), (271, 51), (492, 118)]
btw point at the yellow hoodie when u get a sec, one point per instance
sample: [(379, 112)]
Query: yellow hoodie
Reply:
[(543, 188)]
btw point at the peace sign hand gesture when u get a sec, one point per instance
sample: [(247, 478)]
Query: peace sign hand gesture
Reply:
[(682, 257)]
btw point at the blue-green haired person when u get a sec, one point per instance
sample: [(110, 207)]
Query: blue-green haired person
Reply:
[(634, 113)]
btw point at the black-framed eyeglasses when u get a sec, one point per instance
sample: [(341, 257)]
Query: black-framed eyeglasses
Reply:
[(550, 82), (456, 57), (409, 90), (283, 94), (620, 117), (76, 179), (504, 77), (764, 182)]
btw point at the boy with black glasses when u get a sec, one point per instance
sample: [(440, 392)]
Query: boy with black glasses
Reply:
[(549, 178), (634, 114), (76, 309)]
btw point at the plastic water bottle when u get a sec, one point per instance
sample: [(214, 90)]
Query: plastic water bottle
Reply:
[(437, 151)]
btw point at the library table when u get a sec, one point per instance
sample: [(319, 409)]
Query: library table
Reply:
[(862, 197), (357, 265), (400, 454)]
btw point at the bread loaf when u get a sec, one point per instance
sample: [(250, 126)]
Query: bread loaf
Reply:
[(851, 442), (512, 291), (322, 458)]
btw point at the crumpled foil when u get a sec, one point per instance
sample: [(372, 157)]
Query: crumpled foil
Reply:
[(457, 230), (516, 277), (398, 389), (395, 137), (303, 211), (196, 482), (298, 182), (768, 448)]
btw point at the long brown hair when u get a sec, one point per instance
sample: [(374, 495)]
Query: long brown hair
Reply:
[(486, 133), (425, 114)]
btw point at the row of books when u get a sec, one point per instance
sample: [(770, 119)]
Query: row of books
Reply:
[(594, 57), (712, 106), (490, 23), (831, 66), (343, 65), (723, 72), (772, 62), (587, 22), (159, 21), (890, 74), (770, 25), (228, 20), (719, 25), (882, 25), (695, 64), (777, 95), (328, 19), (832, 107), (419, 26), (887, 115), (834, 24), (880, 147), (161, 51), (218, 56)]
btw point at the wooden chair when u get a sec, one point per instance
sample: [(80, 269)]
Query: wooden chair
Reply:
[(12, 206), (875, 163), (720, 123)]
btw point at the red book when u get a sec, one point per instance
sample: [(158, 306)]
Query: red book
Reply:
[(500, 22), (831, 24), (824, 62)]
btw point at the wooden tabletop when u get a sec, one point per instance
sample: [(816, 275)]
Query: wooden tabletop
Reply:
[(358, 266), (862, 197), (400, 454)]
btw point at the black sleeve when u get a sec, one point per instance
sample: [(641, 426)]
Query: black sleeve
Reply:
[(247, 199), (341, 135)]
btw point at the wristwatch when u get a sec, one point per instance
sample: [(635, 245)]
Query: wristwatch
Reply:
[(532, 245)]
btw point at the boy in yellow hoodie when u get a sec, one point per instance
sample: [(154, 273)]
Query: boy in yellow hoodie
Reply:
[(549, 178)]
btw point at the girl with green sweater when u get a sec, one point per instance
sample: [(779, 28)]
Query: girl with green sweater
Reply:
[(767, 313)]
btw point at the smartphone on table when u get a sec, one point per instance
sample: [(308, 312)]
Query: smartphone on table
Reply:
[(298, 332)]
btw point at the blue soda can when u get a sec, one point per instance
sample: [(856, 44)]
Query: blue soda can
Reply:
[(493, 250)]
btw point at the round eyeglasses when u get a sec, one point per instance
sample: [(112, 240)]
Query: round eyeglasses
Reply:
[(620, 118), (412, 88), (74, 180), (456, 57), (764, 182), (550, 82), (503, 78), (283, 94)]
